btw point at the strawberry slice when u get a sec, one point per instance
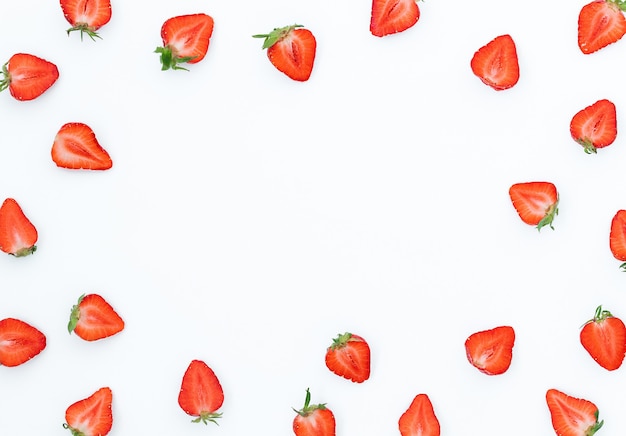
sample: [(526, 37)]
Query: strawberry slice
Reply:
[(185, 40), (291, 50), (491, 351), (496, 63), (600, 23), (572, 416), (595, 126), (419, 419), (91, 416), (201, 393), (313, 419), (604, 338), (17, 234), (535, 202), (19, 342), (93, 318), (28, 76), (393, 16), (617, 237), (349, 357), (86, 16), (76, 147)]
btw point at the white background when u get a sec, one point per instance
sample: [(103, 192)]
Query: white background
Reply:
[(248, 219)]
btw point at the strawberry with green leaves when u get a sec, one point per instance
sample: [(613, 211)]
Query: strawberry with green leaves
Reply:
[(201, 393), (185, 40), (536, 203), (572, 416), (604, 338), (595, 126), (491, 351), (419, 419), (92, 318), (28, 76), (349, 357), (86, 16), (18, 235), (19, 342), (496, 64), (393, 16), (76, 147), (313, 419), (617, 237), (291, 49), (91, 416), (600, 23)]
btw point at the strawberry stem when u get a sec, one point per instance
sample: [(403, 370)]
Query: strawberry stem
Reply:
[(551, 213), (170, 60), (84, 28), (6, 77), (206, 417), (276, 35), (308, 408)]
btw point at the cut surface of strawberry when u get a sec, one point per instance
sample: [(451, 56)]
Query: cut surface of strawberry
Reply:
[(291, 49), (393, 16), (496, 63), (600, 23), (617, 237), (185, 40), (604, 338), (19, 342), (313, 419), (572, 416), (28, 76), (18, 235), (419, 419), (491, 351), (349, 357), (595, 126), (201, 393), (93, 318), (536, 203), (76, 147), (86, 16), (91, 416)]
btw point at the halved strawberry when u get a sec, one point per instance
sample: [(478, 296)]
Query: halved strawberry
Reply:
[(86, 16), (572, 416), (17, 234), (617, 237), (595, 126), (491, 351), (604, 338), (93, 318), (91, 416), (76, 147), (291, 49), (313, 419), (201, 393), (393, 16), (185, 40), (419, 419), (535, 202), (600, 23), (349, 357), (19, 342), (28, 76), (496, 63)]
